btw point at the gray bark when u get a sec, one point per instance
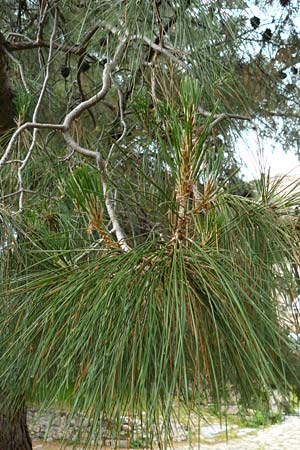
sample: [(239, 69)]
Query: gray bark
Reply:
[(14, 434)]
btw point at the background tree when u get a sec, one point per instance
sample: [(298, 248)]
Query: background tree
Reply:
[(117, 206)]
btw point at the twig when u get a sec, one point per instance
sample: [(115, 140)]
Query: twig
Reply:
[(79, 149), (28, 44), (20, 68), (34, 117), (26, 126), (14, 161), (70, 117), (121, 113), (113, 217), (158, 48), (25, 191), (108, 68), (153, 81), (88, 251), (67, 157), (218, 118), (11, 34), (43, 14)]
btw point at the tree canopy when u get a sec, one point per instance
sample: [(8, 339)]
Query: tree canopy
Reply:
[(135, 275)]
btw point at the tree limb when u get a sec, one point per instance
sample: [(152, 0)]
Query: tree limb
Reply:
[(219, 118), (36, 110)]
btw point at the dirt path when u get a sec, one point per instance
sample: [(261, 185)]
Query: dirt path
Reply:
[(283, 436)]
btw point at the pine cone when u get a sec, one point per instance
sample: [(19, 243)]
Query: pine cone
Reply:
[(255, 21), (65, 71), (84, 67), (267, 35)]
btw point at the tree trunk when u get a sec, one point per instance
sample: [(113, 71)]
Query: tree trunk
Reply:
[(14, 433), (7, 110)]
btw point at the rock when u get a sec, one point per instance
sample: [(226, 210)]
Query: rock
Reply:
[(212, 430), (232, 409)]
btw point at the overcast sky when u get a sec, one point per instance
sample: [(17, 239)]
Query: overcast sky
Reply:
[(258, 156)]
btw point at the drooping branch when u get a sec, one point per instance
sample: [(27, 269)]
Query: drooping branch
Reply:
[(75, 147), (72, 115)]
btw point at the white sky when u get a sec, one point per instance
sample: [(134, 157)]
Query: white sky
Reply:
[(258, 156)]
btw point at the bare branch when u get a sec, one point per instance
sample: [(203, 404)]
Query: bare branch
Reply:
[(35, 113), (24, 191), (14, 161), (42, 19), (222, 116), (113, 217), (23, 36), (67, 157), (77, 148), (72, 115), (27, 43), (30, 44), (287, 114), (219, 118), (158, 48), (108, 68), (20, 68), (88, 251), (121, 113), (26, 126)]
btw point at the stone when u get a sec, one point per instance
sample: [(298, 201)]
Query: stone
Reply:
[(212, 430), (232, 409), (126, 427)]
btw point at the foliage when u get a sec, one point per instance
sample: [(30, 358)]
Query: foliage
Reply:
[(187, 316), (140, 278)]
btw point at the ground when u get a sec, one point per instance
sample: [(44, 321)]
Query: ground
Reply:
[(283, 436)]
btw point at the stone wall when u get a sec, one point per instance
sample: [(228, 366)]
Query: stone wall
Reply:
[(57, 425)]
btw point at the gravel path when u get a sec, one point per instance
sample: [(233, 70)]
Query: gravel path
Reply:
[(283, 436)]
